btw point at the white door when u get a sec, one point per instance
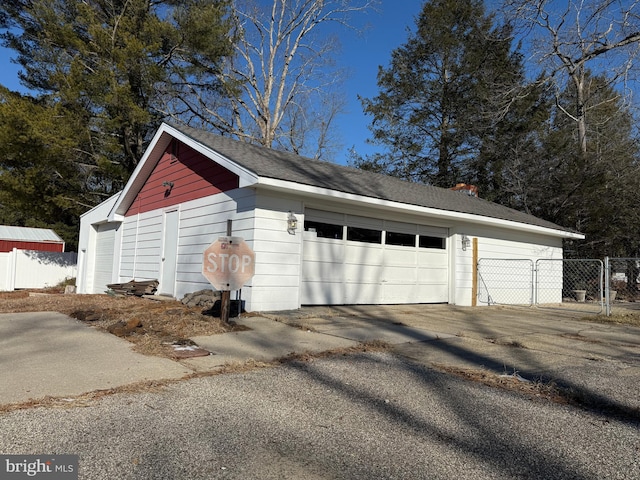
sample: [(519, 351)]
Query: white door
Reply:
[(103, 258), (359, 260), (169, 253)]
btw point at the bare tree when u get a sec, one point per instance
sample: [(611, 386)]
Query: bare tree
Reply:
[(282, 83), (575, 36)]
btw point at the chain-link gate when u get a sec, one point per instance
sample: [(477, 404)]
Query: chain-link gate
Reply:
[(569, 284), (505, 281)]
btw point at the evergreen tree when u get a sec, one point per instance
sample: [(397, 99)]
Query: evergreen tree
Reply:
[(594, 192), (42, 181), (445, 90), (111, 61), (102, 70)]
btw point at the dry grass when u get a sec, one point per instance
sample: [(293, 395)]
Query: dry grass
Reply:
[(150, 325), (538, 388), (622, 317), (543, 389)]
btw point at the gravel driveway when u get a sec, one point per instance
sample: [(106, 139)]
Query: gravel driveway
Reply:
[(368, 416)]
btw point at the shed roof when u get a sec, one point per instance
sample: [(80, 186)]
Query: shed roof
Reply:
[(28, 234), (268, 163)]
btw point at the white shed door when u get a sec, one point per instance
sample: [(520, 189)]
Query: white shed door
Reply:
[(360, 260), (169, 253), (105, 244)]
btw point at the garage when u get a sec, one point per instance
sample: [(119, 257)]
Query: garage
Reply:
[(350, 259), (322, 233)]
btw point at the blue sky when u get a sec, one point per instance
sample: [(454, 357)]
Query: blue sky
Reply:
[(361, 54)]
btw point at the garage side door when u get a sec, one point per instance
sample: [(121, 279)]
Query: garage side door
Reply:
[(103, 272)]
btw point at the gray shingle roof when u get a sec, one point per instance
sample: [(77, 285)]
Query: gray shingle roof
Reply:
[(274, 164)]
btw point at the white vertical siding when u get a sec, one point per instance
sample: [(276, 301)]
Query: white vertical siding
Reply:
[(202, 221), (276, 284)]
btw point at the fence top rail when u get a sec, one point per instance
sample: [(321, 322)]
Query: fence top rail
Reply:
[(507, 259), (571, 260)]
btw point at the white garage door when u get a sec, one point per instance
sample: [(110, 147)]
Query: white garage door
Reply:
[(103, 265), (358, 260)]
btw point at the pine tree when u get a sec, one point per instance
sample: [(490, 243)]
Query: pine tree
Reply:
[(594, 192), (42, 183), (445, 90), (111, 61)]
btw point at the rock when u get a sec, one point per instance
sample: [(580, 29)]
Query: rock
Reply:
[(133, 324), (202, 298), (69, 289), (122, 329), (87, 315)]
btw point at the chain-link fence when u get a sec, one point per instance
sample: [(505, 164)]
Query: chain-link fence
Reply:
[(573, 284), (623, 282)]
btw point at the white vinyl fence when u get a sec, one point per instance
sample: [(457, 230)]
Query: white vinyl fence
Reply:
[(35, 269)]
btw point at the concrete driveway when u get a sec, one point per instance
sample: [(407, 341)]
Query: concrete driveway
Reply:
[(51, 354), (598, 363)]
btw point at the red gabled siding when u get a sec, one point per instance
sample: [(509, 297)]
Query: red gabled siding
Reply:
[(9, 245), (193, 176)]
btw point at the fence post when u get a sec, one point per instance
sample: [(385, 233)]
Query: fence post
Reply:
[(607, 289), (474, 283), (11, 279)]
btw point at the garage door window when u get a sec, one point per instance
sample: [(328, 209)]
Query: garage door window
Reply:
[(400, 239), (432, 242), (365, 235), (324, 230)]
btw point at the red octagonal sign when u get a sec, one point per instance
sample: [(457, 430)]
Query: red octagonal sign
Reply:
[(228, 263)]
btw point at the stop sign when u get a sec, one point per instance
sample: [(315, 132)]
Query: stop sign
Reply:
[(228, 263)]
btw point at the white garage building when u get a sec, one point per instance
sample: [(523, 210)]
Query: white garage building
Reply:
[(322, 233)]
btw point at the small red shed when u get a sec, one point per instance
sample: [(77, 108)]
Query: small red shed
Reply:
[(25, 238)]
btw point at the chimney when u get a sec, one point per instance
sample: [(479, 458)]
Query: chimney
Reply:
[(470, 190)]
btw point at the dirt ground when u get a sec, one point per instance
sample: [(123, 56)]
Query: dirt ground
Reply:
[(153, 326)]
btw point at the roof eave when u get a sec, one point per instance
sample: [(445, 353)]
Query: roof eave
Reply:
[(292, 187)]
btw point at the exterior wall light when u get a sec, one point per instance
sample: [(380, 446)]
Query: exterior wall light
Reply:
[(168, 186), (292, 223), (466, 242)]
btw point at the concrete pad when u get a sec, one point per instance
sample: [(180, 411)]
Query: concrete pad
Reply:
[(595, 376), (267, 340), (50, 354), (471, 353), (390, 333), (591, 347)]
